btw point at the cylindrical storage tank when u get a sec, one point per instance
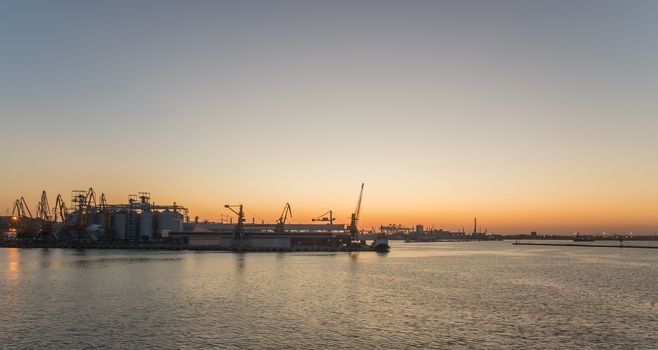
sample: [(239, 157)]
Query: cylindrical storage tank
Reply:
[(91, 217), (146, 223), (120, 226), (131, 227), (73, 218), (100, 221), (171, 221), (100, 218)]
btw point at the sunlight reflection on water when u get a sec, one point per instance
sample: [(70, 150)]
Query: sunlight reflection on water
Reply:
[(476, 295)]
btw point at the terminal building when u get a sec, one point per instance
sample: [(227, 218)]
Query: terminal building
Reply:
[(262, 236)]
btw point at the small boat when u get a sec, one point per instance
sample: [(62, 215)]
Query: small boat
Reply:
[(581, 238), (380, 244)]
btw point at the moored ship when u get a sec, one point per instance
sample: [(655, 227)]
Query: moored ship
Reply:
[(380, 244)]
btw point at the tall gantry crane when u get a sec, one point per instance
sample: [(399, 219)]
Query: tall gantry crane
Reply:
[(45, 218), (21, 218), (102, 202), (86, 205), (323, 217), (281, 222), (59, 211), (354, 222), (238, 230), (43, 208), (85, 201), (21, 209)]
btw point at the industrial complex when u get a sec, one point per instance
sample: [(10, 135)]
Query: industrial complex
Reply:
[(90, 221)]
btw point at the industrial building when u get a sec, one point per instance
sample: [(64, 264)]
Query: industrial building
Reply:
[(262, 236), (140, 223), (88, 219), (139, 220)]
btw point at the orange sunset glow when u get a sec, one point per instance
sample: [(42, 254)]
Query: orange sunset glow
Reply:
[(526, 129), (338, 174)]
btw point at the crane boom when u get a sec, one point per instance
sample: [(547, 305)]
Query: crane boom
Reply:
[(238, 230), (45, 221), (354, 223), (280, 226), (322, 217), (88, 204), (287, 212), (21, 209), (358, 204), (22, 220), (43, 208), (60, 210)]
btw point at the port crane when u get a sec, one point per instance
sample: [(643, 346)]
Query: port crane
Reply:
[(323, 217), (21, 209), (45, 217), (281, 222), (43, 208), (354, 222), (238, 230), (86, 202), (21, 217), (59, 211), (102, 202)]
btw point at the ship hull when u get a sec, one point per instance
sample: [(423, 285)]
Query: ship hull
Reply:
[(381, 245)]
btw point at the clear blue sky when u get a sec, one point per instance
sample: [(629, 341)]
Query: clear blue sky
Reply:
[(533, 115)]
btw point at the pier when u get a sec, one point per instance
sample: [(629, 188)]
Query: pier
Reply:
[(217, 248)]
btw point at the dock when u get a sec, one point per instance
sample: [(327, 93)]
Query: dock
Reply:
[(141, 224), (216, 248)]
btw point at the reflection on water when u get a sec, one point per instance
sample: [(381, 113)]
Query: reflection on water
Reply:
[(111, 262), (476, 295), (239, 262), (13, 272)]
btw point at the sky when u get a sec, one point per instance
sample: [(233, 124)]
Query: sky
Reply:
[(531, 115)]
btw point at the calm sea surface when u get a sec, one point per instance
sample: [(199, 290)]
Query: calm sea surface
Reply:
[(474, 295)]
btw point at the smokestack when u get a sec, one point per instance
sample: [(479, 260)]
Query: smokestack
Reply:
[(475, 225)]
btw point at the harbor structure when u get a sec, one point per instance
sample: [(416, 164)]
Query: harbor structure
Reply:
[(89, 218), (89, 221)]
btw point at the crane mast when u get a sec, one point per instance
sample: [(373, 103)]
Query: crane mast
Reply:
[(354, 222), (322, 217), (21, 209), (45, 218), (281, 222), (59, 212), (43, 208), (238, 230), (22, 220), (86, 204)]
